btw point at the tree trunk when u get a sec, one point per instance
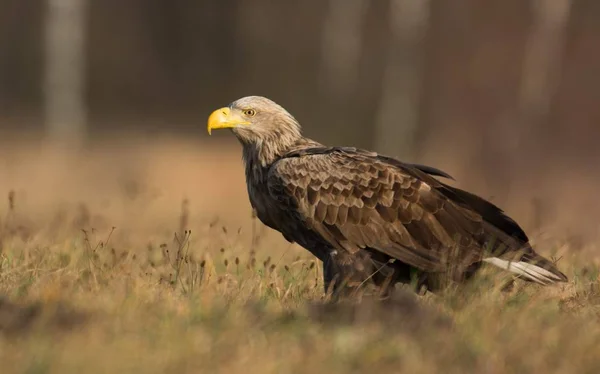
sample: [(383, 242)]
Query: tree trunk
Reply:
[(65, 108), (341, 44), (397, 121)]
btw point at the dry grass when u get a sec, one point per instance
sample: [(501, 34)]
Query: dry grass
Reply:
[(187, 281)]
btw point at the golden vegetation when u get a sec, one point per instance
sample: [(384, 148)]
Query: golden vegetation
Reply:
[(149, 261)]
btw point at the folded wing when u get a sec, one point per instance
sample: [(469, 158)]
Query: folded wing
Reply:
[(356, 200)]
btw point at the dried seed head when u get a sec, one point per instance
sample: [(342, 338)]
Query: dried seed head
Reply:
[(237, 260), (11, 200), (202, 263), (226, 263), (272, 268), (222, 250)]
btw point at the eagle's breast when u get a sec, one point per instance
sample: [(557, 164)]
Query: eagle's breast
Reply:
[(280, 215)]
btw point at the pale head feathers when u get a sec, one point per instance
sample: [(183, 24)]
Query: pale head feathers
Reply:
[(271, 131)]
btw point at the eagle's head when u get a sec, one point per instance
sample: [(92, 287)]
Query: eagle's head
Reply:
[(256, 120)]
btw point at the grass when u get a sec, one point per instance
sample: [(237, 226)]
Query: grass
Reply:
[(199, 295)]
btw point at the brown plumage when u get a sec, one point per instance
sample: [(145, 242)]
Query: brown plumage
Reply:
[(370, 218)]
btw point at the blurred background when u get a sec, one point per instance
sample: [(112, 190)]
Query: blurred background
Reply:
[(107, 98)]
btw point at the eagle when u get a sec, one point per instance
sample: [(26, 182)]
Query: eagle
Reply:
[(369, 218)]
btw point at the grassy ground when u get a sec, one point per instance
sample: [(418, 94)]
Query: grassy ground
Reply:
[(175, 288)]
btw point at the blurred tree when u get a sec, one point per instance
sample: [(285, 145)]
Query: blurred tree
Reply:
[(348, 98), (572, 127), (396, 121), (341, 44), (65, 106), (21, 60), (472, 75), (544, 57)]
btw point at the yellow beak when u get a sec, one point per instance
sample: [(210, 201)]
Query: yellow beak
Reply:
[(224, 119)]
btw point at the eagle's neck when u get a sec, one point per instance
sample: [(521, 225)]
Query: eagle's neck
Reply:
[(262, 153), (258, 158)]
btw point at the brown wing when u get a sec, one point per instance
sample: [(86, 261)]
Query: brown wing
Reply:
[(355, 200)]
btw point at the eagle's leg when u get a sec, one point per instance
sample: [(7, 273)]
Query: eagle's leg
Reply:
[(329, 276), (346, 275)]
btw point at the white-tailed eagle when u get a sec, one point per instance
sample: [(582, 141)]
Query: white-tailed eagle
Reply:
[(368, 217)]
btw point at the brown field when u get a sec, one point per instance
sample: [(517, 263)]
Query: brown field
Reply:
[(142, 256)]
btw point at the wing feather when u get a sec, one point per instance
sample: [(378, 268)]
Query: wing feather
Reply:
[(355, 200)]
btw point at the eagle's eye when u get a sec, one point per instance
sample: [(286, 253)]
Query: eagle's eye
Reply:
[(249, 112)]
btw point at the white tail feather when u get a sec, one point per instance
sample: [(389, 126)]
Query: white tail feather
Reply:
[(524, 269)]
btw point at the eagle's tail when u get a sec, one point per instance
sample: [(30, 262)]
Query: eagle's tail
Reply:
[(531, 267), (513, 242)]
